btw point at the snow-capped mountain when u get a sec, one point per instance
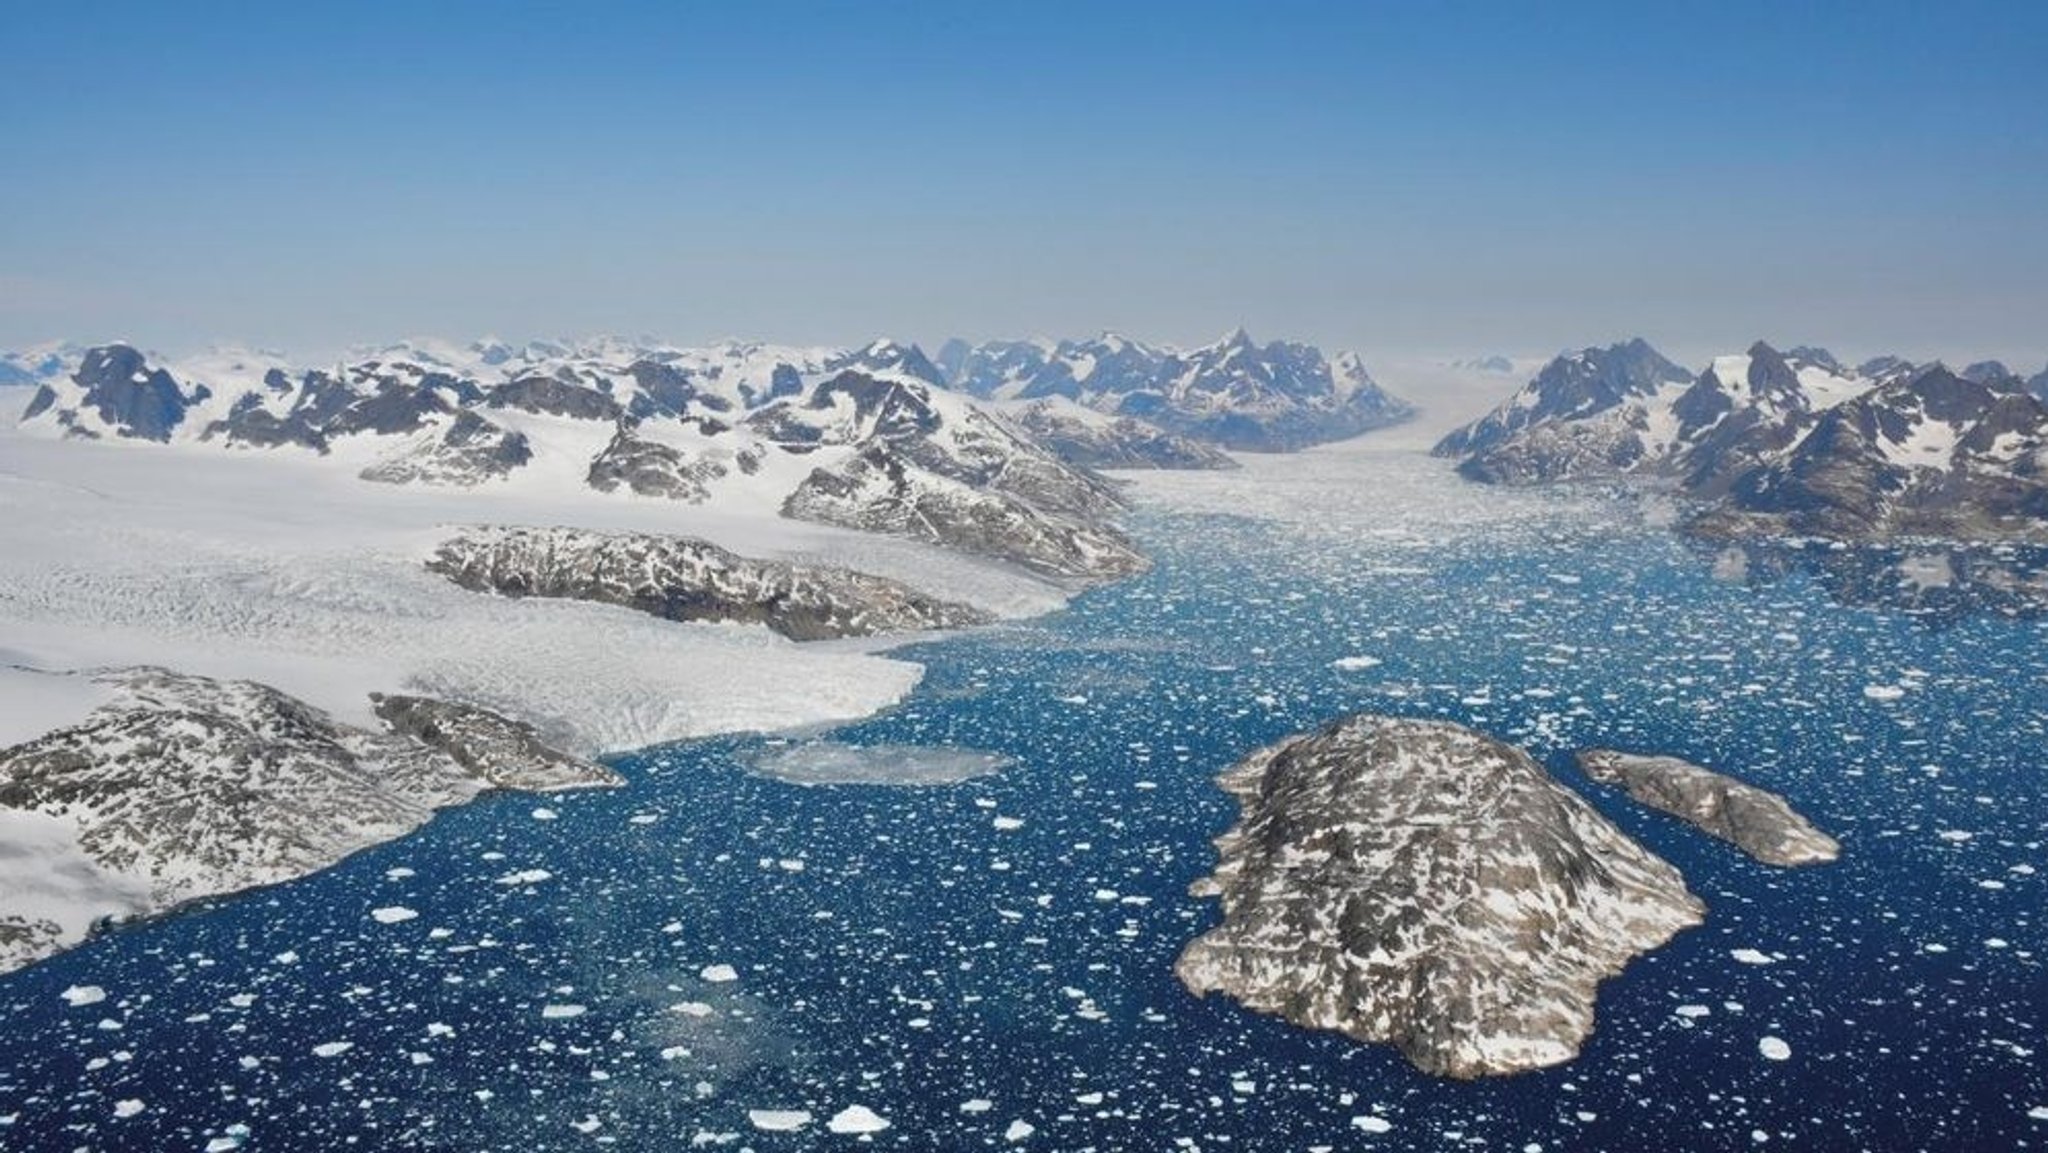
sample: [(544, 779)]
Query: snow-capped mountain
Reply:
[(1786, 441), (1236, 393), (1933, 454), (1587, 412), (862, 439)]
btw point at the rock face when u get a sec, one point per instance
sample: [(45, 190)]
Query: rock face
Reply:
[(1784, 443), (1417, 883), (185, 787), (1234, 394), (682, 579), (1754, 820)]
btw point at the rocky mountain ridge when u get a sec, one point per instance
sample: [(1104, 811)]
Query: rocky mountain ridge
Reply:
[(683, 579), (1783, 443)]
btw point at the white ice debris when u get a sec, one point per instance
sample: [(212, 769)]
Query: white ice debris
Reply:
[(719, 974), (332, 1048), (1005, 824), (778, 1120), (1354, 664), (392, 914), (1372, 1124), (857, 1119), (1774, 1049), (562, 1012), (1752, 957), (78, 995), (1018, 1131), (127, 1107)]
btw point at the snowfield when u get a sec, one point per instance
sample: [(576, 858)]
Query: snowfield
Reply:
[(280, 567)]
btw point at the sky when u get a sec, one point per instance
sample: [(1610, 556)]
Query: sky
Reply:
[(1404, 179)]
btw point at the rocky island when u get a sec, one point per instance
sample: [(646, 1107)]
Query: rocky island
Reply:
[(1754, 820), (1420, 884)]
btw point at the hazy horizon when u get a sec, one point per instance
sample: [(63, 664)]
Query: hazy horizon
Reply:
[(1450, 181)]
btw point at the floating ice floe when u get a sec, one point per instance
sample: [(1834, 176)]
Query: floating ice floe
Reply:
[(526, 877), (392, 914), (1774, 1049), (78, 995), (128, 1107), (837, 763), (332, 1048), (562, 1012), (1372, 1124), (1354, 664), (1018, 1131), (719, 974), (857, 1119), (778, 1120), (1752, 957)]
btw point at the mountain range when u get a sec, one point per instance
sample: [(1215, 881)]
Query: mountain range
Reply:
[(994, 454), (1784, 443)]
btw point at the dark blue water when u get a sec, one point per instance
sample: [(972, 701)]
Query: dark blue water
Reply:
[(898, 949)]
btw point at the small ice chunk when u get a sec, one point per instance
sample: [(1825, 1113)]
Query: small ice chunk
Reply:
[(1018, 1130), (977, 1105), (78, 995), (1883, 692), (562, 1012), (526, 877), (719, 974), (1752, 957), (778, 1120), (1372, 1124), (545, 814), (127, 1107), (1005, 824), (1774, 1049), (2038, 1113), (1354, 664), (392, 914), (857, 1119), (332, 1048)]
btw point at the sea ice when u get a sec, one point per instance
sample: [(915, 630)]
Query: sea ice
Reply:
[(857, 1119), (719, 974), (778, 1120), (1774, 1049), (392, 914), (78, 995), (837, 763)]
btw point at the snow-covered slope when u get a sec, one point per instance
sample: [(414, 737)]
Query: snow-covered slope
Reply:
[(183, 787)]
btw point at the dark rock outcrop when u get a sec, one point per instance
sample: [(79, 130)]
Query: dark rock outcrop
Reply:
[(1754, 820), (683, 579)]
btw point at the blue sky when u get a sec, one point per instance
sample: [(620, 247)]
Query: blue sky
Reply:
[(1400, 178)]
